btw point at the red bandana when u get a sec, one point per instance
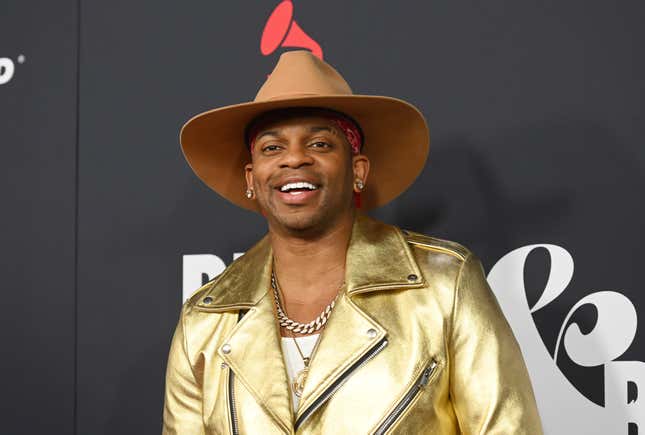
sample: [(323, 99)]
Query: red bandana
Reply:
[(351, 132)]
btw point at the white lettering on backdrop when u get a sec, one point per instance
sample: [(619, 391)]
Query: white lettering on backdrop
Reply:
[(199, 268), (7, 68), (563, 408)]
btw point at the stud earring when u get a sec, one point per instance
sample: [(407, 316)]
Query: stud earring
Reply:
[(359, 184), (249, 193)]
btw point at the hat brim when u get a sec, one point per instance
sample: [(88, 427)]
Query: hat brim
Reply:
[(396, 140)]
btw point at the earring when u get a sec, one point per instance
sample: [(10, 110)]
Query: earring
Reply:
[(249, 193), (359, 184)]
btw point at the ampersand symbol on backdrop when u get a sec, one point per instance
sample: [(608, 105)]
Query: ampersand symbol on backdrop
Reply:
[(598, 347)]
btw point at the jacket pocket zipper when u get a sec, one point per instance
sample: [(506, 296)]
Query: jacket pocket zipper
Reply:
[(338, 382), (403, 404)]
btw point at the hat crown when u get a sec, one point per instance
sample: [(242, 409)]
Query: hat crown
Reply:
[(300, 73)]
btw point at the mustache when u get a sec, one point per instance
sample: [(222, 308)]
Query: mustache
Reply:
[(309, 175)]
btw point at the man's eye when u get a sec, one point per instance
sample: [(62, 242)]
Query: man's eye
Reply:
[(270, 148), (320, 144)]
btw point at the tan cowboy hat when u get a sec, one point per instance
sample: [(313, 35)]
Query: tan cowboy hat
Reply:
[(396, 138)]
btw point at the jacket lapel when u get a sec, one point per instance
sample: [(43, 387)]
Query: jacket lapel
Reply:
[(255, 354), (256, 359), (378, 258), (343, 343)]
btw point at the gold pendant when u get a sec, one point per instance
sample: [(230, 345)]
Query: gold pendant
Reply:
[(298, 383)]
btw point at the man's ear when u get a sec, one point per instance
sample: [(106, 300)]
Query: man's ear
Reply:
[(248, 174), (361, 167)]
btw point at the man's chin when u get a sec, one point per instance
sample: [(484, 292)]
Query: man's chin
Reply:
[(302, 221), (306, 221)]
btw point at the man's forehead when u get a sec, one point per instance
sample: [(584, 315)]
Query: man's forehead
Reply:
[(310, 123)]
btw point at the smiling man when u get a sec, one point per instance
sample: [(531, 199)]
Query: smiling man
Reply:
[(302, 167), (334, 322)]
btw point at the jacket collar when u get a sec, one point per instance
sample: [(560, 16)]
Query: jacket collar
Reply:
[(369, 267)]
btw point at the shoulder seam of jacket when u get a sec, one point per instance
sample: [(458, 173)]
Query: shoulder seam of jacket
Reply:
[(454, 302), (434, 244), (185, 343)]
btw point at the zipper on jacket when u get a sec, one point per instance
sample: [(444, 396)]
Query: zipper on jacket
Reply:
[(231, 403), (231, 395), (338, 382), (418, 385)]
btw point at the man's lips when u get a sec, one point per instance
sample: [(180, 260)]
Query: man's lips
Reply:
[(292, 182), (297, 197), (296, 190)]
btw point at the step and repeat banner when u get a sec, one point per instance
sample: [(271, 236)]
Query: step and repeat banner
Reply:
[(537, 164)]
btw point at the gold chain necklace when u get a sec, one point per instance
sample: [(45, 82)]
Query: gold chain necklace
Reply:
[(292, 326)]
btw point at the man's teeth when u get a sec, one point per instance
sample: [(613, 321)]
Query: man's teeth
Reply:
[(298, 185)]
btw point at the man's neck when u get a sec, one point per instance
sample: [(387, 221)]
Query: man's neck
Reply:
[(312, 270)]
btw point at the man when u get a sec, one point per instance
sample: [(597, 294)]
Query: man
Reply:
[(334, 322)]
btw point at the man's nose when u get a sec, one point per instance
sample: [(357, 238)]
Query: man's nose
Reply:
[(295, 156)]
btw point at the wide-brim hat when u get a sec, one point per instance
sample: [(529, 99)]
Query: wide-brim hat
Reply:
[(396, 138)]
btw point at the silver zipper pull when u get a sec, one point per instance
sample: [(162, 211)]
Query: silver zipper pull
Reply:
[(425, 377)]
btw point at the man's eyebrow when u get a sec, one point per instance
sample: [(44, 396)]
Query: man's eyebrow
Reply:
[(316, 129), (267, 133)]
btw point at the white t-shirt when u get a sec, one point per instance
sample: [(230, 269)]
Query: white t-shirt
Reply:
[(293, 360)]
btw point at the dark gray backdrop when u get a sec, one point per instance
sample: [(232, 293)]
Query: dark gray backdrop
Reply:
[(536, 117)]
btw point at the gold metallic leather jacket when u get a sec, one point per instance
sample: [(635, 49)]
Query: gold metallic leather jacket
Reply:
[(416, 344)]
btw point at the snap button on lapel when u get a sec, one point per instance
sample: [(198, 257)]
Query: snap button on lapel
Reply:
[(207, 300), (371, 333), (412, 277), (223, 365), (226, 348)]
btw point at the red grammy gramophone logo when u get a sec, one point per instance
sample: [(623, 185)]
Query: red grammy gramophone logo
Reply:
[(281, 30)]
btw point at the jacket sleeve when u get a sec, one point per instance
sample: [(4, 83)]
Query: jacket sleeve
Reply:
[(182, 412), (489, 383)]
